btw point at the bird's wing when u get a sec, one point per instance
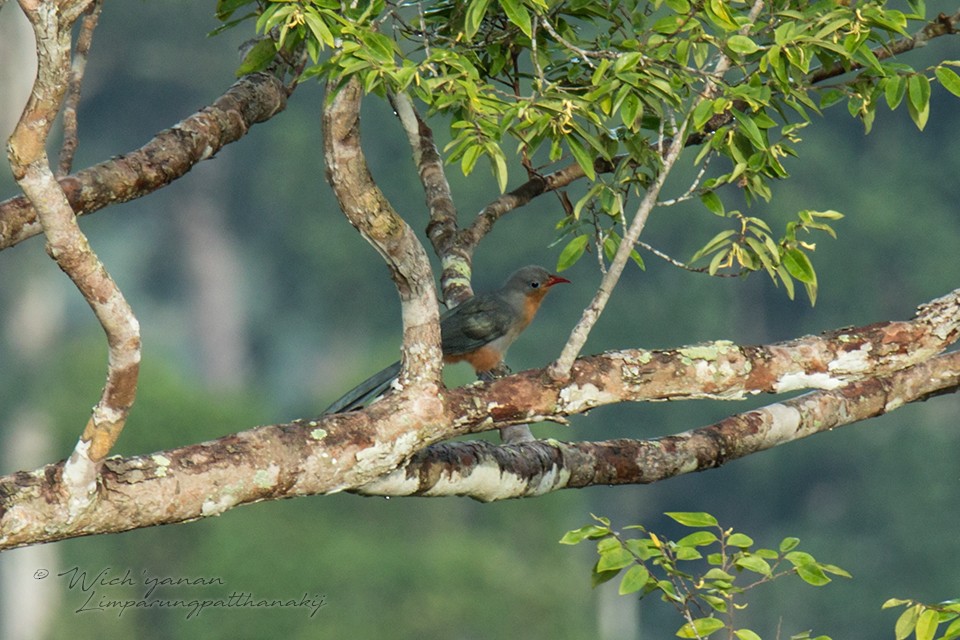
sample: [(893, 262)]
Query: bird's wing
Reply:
[(365, 392), (478, 321)]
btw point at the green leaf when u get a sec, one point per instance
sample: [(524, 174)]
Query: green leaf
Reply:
[(953, 631), (812, 574), (697, 539), (631, 111), (599, 577), (799, 266), (318, 28), (700, 628), (582, 157), (789, 544), (258, 57), (750, 129), (517, 14), (615, 559), (742, 44), (894, 602), (572, 252), (755, 564), (927, 624), (906, 622), (688, 553), (746, 634), (713, 203), (717, 242), (634, 579), (693, 518), (719, 15), (918, 99), (717, 574), (786, 280), (894, 87), (740, 540), (702, 114), (716, 603), (949, 79), (498, 163), (225, 8), (591, 532), (474, 17), (835, 570)]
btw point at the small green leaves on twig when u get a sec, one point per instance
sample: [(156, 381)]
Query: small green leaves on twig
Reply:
[(752, 248), (924, 620), (704, 574)]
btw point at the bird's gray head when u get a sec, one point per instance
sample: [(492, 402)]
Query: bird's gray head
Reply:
[(532, 280)]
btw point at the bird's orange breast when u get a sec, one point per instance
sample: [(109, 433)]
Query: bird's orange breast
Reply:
[(483, 359)]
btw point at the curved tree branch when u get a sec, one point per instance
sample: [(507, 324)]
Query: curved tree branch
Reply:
[(488, 472), (69, 247), (169, 155), (368, 210), (863, 372)]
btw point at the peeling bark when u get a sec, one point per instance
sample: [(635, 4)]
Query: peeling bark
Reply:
[(488, 472), (861, 373)]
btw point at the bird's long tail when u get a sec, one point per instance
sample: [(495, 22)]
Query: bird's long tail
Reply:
[(367, 391)]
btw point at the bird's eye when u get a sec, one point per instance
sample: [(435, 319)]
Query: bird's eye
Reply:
[(535, 284)]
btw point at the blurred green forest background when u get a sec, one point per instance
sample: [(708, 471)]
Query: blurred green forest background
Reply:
[(260, 304)]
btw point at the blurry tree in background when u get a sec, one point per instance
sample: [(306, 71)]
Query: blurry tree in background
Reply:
[(599, 121)]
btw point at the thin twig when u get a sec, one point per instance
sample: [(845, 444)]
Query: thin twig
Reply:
[(67, 245), (79, 65)]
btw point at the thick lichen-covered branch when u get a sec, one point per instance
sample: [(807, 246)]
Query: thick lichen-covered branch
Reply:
[(860, 373), (488, 472), (168, 156)]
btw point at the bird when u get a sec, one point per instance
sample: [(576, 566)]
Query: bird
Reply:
[(478, 331)]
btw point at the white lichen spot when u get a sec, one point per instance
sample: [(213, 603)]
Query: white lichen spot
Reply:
[(785, 423), (404, 444), (80, 478), (575, 398), (706, 351), (892, 404), (216, 507), (162, 462), (395, 483), (854, 361), (267, 478), (794, 381), (318, 434)]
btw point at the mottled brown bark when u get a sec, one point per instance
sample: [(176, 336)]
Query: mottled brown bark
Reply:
[(169, 155), (862, 372)]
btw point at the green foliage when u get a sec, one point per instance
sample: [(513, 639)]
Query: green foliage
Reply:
[(752, 247), (924, 620), (606, 84), (704, 574)]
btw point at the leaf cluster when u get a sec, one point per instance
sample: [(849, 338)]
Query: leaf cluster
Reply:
[(607, 84), (752, 247), (704, 574), (924, 620)]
